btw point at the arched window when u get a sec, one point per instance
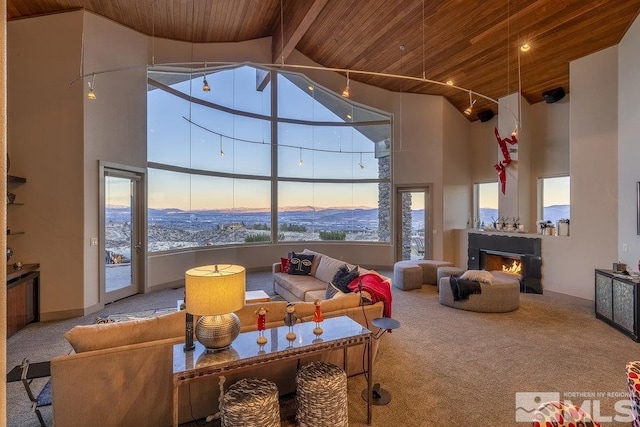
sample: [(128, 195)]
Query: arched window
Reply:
[(221, 161)]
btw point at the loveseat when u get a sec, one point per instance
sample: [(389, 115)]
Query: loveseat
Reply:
[(310, 287), (120, 374)]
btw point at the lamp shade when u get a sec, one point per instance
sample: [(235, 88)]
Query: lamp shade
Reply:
[(215, 289)]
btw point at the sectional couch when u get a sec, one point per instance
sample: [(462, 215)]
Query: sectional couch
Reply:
[(120, 374)]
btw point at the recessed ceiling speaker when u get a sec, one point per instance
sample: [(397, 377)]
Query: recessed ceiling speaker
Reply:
[(485, 115), (553, 95)]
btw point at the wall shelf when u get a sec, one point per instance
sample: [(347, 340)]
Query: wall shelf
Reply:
[(12, 179)]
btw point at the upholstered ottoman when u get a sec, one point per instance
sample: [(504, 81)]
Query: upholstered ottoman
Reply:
[(430, 270), (407, 275), (251, 402), (448, 271), (502, 296)]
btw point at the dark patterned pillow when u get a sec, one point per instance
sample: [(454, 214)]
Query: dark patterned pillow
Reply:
[(300, 264), (343, 277)]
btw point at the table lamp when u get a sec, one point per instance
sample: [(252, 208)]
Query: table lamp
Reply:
[(214, 292)]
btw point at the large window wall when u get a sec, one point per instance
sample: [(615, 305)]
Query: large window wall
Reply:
[(248, 163)]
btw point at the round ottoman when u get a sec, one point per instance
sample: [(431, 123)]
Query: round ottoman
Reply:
[(251, 402), (448, 271), (407, 275), (430, 270), (321, 396), (501, 296)]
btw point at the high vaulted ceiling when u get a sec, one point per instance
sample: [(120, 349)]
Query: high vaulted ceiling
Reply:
[(474, 43)]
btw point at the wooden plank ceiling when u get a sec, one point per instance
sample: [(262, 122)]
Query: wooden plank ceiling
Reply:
[(474, 43)]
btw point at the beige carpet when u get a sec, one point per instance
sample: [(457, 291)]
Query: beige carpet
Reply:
[(447, 367)]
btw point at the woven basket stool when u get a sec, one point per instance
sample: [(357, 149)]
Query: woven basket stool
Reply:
[(251, 402), (321, 396)]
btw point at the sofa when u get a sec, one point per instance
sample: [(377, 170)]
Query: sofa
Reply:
[(120, 374), (314, 286)]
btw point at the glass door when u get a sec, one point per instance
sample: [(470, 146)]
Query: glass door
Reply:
[(122, 235), (413, 228)]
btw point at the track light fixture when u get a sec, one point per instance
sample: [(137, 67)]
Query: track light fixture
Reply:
[(221, 150), (346, 92), (205, 84), (91, 94), (472, 102)]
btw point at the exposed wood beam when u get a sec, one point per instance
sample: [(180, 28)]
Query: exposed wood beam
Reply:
[(296, 24)]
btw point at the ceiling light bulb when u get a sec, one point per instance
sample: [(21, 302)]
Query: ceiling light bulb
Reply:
[(346, 92), (205, 85), (472, 102), (349, 116), (300, 162), (91, 94), (525, 47), (221, 153), (450, 82), (311, 88)]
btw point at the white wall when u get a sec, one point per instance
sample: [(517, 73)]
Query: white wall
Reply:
[(115, 124), (456, 178), (628, 151), (45, 126), (594, 176)]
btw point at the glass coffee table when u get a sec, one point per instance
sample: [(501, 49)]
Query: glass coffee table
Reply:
[(244, 353)]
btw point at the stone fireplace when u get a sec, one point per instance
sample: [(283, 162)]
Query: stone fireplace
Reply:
[(520, 256)]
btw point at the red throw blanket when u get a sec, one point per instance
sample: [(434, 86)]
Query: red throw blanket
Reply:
[(379, 290)]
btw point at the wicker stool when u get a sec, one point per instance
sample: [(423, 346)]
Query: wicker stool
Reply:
[(321, 396), (251, 402)]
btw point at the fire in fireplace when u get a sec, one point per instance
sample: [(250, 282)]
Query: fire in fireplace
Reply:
[(501, 261)]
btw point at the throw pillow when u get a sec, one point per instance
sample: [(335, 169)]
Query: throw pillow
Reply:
[(332, 291), (284, 265), (300, 264), (481, 276), (343, 277)]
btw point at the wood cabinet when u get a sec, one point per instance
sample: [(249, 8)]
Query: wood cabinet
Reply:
[(617, 301), (23, 297)]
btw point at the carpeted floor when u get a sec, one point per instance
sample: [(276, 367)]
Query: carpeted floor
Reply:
[(443, 367)]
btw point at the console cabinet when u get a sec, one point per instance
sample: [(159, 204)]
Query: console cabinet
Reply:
[(23, 297), (617, 302)]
